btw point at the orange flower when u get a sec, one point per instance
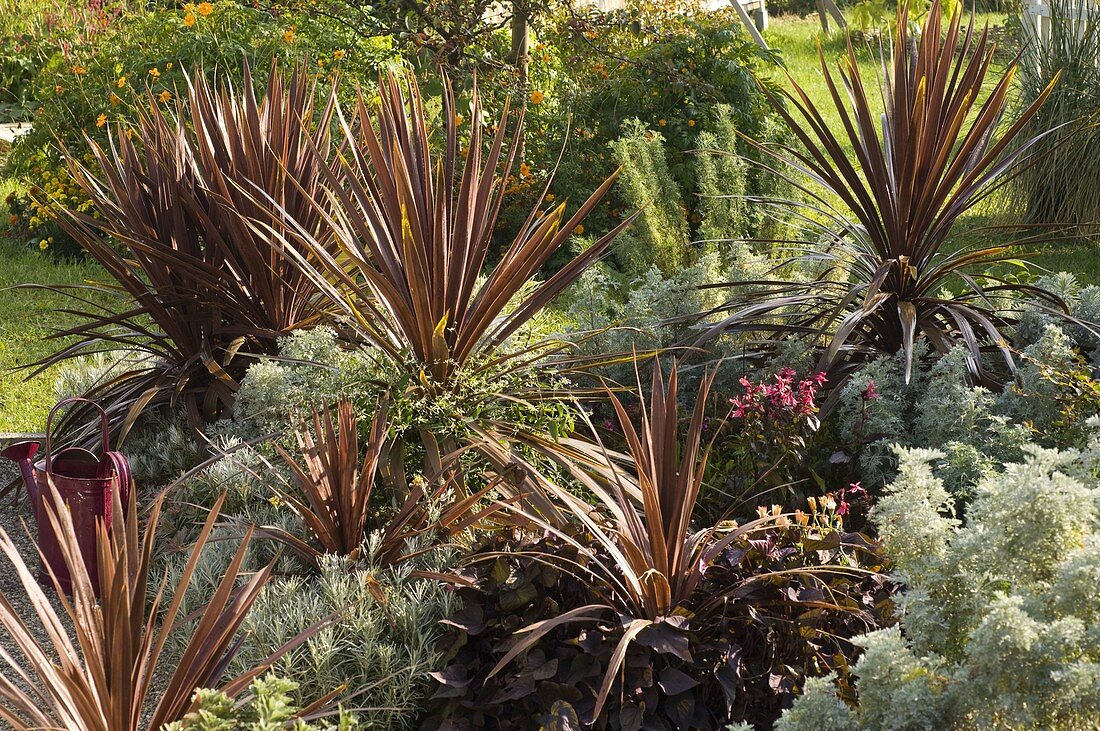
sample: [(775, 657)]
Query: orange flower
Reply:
[(579, 230), (59, 89), (101, 120), (79, 70), (205, 9), (121, 82), (115, 99), (459, 119), (662, 122), (288, 36), (537, 97), (189, 19), (524, 170), (691, 123), (155, 73), (165, 96), (339, 55)]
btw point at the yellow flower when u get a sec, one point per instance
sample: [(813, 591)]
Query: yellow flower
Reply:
[(189, 19), (101, 120), (59, 89), (691, 123), (550, 197), (579, 230), (166, 96), (43, 244), (338, 55), (662, 122), (130, 134), (459, 119), (537, 97), (205, 9), (115, 99), (168, 65), (121, 82), (155, 73), (524, 170), (79, 70), (288, 36)]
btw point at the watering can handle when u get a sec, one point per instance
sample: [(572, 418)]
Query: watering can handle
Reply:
[(104, 427)]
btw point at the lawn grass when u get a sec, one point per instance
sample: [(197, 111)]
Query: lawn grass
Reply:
[(27, 317)]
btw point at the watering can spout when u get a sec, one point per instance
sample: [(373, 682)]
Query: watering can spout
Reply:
[(22, 453)]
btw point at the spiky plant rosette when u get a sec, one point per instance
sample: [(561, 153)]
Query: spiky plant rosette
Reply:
[(883, 193), (412, 210), (195, 288)]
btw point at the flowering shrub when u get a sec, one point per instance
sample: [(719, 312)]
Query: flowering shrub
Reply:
[(772, 424), (999, 625)]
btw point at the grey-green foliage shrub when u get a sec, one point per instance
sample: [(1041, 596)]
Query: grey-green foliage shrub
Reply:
[(1037, 398), (312, 369), (268, 705), (1083, 302), (999, 626), (384, 650), (938, 408)]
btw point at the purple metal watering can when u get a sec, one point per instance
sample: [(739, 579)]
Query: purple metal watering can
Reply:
[(84, 482)]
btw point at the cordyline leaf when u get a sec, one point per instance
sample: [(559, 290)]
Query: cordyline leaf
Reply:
[(105, 679), (904, 178), (171, 225)]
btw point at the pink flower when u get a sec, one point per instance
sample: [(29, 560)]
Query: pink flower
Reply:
[(869, 393)]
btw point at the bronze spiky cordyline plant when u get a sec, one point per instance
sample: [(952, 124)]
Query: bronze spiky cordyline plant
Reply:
[(334, 490), (109, 679), (910, 174), (412, 216), (198, 286)]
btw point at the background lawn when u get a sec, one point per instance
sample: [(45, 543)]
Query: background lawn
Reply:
[(26, 319)]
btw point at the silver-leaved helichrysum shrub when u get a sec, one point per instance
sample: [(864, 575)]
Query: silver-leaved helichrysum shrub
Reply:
[(1000, 627), (938, 408)]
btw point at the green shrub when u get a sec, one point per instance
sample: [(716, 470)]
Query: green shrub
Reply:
[(672, 68), (269, 705), (999, 625)]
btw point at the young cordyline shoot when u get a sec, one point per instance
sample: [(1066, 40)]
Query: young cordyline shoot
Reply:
[(638, 537), (115, 677), (882, 192), (413, 224), (334, 489)]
